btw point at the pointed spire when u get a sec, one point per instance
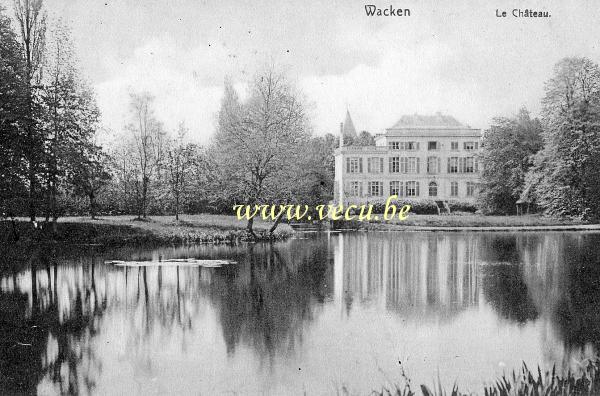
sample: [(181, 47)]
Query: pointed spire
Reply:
[(349, 129)]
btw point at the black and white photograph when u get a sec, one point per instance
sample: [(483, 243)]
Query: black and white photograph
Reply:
[(320, 197)]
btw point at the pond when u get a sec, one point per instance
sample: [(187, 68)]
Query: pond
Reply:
[(318, 314)]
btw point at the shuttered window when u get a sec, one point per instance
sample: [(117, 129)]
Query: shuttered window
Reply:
[(354, 165), (375, 165), (396, 188)]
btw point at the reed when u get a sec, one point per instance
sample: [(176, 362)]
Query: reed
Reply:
[(525, 382)]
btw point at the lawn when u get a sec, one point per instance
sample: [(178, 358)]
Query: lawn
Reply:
[(477, 220), (199, 222), (121, 230)]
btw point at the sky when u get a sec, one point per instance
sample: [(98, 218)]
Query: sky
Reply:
[(455, 57)]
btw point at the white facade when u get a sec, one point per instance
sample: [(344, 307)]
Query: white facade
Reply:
[(420, 157)]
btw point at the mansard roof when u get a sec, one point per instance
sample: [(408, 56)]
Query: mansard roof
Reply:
[(436, 121)]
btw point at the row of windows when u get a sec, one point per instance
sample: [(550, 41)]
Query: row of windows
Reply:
[(412, 165), (432, 145), (403, 189)]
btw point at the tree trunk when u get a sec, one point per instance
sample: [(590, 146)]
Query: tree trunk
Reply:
[(249, 227), (276, 223), (31, 196), (15, 234), (92, 205), (144, 195), (177, 206)]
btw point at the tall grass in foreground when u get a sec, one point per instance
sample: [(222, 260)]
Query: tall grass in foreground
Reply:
[(523, 383)]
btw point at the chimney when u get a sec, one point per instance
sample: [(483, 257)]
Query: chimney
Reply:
[(341, 134)]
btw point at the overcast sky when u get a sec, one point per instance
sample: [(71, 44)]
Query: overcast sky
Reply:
[(456, 57)]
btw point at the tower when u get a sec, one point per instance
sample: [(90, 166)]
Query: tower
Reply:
[(348, 129)]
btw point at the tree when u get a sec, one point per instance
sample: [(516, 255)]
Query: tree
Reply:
[(90, 174), (147, 147), (69, 119), (12, 102), (31, 19), (180, 160), (318, 170), (565, 173), (364, 139), (508, 147), (258, 144)]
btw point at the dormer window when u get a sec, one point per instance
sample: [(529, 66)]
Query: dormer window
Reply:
[(394, 145), (470, 146), (433, 146), (412, 145)]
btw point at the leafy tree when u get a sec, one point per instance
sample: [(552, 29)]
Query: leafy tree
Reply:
[(69, 119), (565, 175), (12, 102), (508, 147), (90, 174), (31, 20), (318, 170), (258, 144), (364, 139)]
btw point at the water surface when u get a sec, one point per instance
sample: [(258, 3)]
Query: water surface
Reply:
[(312, 314)]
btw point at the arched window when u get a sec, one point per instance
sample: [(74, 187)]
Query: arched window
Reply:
[(433, 189)]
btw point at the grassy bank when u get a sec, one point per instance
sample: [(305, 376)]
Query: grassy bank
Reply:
[(476, 220), (461, 220), (122, 230)]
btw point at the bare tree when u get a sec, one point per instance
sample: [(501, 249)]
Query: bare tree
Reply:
[(148, 147), (257, 145), (181, 157)]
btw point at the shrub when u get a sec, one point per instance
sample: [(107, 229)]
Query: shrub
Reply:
[(462, 206), (422, 206)]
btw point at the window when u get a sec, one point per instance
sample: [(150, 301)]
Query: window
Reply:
[(394, 164), (454, 146), (375, 189), (412, 165), (375, 165), (433, 189), (453, 165), (403, 164), (467, 165), (454, 189), (412, 189), (394, 145), (433, 165), (412, 146), (354, 165), (470, 146), (396, 188), (433, 145), (355, 189), (470, 189)]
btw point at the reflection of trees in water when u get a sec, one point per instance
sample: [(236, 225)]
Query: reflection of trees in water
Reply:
[(46, 324), (423, 274), (266, 303), (503, 284), (507, 292), (563, 275)]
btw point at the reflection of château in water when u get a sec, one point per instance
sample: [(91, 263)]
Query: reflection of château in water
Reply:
[(412, 274)]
